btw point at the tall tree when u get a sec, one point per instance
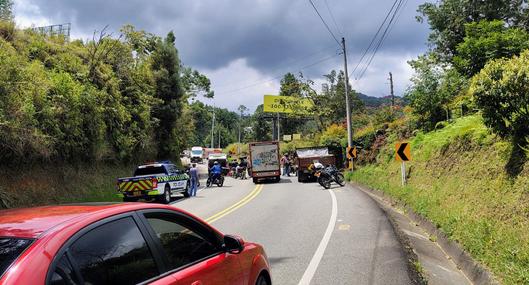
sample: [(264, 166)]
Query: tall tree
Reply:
[(447, 20), (166, 71), (331, 100), (6, 10), (486, 40)]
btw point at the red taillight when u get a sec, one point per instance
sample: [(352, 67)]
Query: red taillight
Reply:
[(154, 183)]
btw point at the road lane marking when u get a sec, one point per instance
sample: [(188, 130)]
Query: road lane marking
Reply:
[(316, 258), (236, 206)]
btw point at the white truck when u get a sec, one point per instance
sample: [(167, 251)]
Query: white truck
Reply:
[(264, 161), (158, 180), (197, 153)]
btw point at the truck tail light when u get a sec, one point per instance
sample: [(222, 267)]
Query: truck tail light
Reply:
[(154, 183)]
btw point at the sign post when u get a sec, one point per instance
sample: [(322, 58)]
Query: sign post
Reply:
[(403, 154)]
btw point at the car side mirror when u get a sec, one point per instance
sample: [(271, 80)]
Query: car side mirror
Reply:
[(233, 244)]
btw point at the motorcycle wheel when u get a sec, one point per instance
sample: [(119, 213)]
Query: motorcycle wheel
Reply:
[(220, 181), (320, 181), (340, 179), (326, 183), (208, 183)]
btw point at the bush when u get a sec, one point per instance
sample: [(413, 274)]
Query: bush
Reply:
[(502, 93)]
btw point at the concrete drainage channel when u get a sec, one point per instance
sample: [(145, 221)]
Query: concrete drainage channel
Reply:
[(431, 254)]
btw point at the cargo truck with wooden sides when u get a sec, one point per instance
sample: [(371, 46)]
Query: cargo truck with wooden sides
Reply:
[(305, 157)]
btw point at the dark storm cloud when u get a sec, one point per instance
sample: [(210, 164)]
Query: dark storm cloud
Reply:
[(268, 34)]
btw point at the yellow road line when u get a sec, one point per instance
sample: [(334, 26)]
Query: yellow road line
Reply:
[(237, 205)]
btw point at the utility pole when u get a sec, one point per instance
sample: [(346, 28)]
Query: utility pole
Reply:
[(213, 130), (278, 127), (391, 89), (347, 101), (219, 139)]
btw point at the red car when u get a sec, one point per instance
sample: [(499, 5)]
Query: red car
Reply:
[(122, 244)]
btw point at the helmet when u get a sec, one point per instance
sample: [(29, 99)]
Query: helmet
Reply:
[(216, 162), (318, 165)]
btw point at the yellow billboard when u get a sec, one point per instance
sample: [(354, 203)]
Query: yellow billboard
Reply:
[(287, 104)]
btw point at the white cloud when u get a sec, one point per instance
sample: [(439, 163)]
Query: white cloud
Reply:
[(239, 84), (28, 14)]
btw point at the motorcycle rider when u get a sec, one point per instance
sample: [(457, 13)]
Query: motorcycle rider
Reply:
[(215, 171), (241, 168)]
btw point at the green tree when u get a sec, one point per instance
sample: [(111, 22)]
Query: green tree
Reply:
[(502, 93), (433, 87), (331, 101), (447, 20), (6, 10), (166, 69), (486, 40), (261, 125)]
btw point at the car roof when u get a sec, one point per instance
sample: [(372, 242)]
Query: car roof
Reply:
[(34, 222)]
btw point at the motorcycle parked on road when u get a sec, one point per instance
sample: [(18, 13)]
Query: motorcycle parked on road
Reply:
[(328, 175)]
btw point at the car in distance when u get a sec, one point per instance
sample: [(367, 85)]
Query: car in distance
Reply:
[(126, 243)]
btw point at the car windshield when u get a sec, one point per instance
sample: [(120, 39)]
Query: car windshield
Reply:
[(196, 152), (150, 170), (10, 249)]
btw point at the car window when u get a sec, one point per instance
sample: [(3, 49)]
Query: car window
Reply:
[(64, 273), (10, 249), (150, 170), (114, 253), (181, 244)]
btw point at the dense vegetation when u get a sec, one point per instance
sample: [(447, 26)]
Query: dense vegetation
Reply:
[(467, 122)]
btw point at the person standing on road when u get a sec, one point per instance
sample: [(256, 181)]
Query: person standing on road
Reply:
[(285, 163), (193, 173)]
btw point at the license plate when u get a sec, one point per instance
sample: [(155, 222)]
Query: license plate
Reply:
[(136, 193)]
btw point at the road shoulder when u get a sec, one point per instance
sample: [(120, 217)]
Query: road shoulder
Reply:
[(440, 260)]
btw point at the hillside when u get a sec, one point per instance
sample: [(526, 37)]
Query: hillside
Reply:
[(461, 179), (375, 102)]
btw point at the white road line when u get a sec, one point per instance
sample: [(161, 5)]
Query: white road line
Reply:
[(316, 258)]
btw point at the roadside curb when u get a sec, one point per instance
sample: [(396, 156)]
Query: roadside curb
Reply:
[(471, 268), (415, 275)]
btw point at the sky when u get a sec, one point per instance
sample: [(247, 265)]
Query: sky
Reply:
[(246, 46)]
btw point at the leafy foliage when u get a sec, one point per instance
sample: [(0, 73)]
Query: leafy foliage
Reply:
[(447, 20), (111, 99), (502, 93), (434, 86), (486, 40)]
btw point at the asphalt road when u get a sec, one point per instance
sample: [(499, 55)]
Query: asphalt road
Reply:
[(311, 235)]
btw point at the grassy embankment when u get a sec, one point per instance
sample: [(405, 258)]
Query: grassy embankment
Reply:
[(472, 185), (43, 185)]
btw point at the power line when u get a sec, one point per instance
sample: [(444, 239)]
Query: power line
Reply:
[(278, 76), (374, 37), (382, 38), (324, 23), (333, 19), (289, 63)]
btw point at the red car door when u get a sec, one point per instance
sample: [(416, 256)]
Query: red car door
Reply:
[(220, 269), (192, 251)]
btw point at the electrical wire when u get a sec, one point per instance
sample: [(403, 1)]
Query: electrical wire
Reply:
[(382, 38), (324, 23), (374, 38), (279, 76), (333, 19), (289, 63)]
